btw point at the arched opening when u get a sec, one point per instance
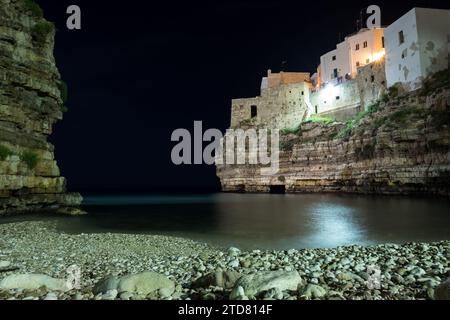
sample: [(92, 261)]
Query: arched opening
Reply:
[(278, 189)]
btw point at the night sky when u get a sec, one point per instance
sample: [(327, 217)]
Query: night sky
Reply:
[(138, 70)]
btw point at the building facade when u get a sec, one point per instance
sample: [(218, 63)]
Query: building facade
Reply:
[(354, 75), (358, 50), (417, 45), (283, 102)]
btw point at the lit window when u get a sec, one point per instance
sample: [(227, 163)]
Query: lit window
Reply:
[(401, 37), (365, 44)]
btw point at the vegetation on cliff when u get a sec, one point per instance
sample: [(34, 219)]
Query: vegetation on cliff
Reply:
[(30, 158), (34, 9), (384, 113), (5, 152)]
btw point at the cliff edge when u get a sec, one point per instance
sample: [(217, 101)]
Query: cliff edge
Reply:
[(31, 101), (400, 146)]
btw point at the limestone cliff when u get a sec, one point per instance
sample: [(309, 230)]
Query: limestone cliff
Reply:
[(31, 101), (401, 147)]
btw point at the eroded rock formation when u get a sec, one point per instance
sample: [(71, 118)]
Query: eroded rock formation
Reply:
[(31, 102)]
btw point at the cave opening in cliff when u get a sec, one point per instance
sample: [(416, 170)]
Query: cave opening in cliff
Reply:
[(279, 189)]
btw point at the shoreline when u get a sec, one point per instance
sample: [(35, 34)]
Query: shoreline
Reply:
[(408, 271)]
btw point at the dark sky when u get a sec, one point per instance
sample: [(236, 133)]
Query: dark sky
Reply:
[(140, 69)]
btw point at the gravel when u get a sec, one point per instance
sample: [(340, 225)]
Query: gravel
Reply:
[(389, 271)]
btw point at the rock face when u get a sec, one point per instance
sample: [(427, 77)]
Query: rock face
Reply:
[(31, 102), (402, 148)]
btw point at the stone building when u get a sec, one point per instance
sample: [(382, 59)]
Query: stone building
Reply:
[(357, 50), (354, 75), (417, 45), (283, 102), (371, 80)]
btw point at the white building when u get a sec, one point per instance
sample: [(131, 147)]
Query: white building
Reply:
[(355, 51), (417, 45)]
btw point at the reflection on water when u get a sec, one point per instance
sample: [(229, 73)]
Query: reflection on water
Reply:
[(266, 221)]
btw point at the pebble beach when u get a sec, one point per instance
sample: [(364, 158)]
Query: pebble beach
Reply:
[(37, 257)]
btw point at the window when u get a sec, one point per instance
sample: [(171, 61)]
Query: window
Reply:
[(316, 110), (357, 47), (357, 64), (372, 78), (401, 37), (367, 60), (303, 93), (365, 44), (382, 42), (338, 97), (334, 58), (254, 111), (335, 73), (404, 53)]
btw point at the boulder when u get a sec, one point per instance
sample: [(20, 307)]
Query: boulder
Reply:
[(255, 284), (442, 292), (33, 282), (145, 283), (222, 279)]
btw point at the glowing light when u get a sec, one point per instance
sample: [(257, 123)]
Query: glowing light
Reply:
[(379, 55), (330, 91)]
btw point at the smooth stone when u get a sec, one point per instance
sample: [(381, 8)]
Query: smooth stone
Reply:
[(33, 282), (234, 264), (145, 283), (313, 291), (166, 292), (110, 295), (234, 252), (247, 263), (51, 296), (254, 284), (126, 296), (222, 279), (237, 293)]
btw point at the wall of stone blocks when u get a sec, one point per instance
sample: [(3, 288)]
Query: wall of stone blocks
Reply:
[(372, 83), (279, 107)]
